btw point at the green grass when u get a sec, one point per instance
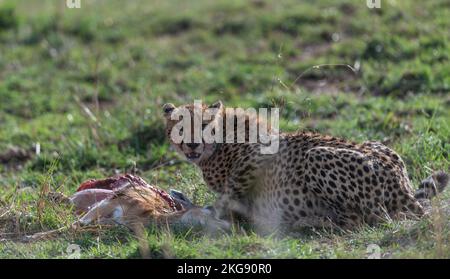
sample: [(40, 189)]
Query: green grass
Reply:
[(87, 86)]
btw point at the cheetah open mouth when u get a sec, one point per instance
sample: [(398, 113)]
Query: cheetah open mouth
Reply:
[(193, 156)]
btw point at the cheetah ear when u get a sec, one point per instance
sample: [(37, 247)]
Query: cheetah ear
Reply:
[(217, 105), (168, 109)]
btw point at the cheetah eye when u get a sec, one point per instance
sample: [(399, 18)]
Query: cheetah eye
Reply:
[(213, 131)]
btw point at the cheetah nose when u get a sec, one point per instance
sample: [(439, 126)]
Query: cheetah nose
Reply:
[(192, 145)]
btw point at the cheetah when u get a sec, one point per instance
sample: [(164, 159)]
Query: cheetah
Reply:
[(313, 180)]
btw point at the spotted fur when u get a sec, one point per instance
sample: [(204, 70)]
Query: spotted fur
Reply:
[(313, 181)]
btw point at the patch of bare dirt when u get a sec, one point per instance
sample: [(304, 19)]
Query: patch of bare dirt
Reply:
[(325, 78), (330, 81), (312, 51), (15, 157), (10, 225)]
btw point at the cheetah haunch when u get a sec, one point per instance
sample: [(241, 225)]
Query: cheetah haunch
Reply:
[(313, 181)]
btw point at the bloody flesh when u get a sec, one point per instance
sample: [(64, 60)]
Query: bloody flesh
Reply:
[(117, 182)]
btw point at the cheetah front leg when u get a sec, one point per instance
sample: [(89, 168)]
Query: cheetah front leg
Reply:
[(232, 204), (229, 208)]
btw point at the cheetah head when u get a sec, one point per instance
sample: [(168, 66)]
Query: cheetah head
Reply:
[(177, 118)]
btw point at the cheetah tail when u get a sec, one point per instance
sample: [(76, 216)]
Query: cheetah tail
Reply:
[(432, 185)]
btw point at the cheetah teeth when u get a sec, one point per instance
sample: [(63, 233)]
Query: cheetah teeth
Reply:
[(193, 155)]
